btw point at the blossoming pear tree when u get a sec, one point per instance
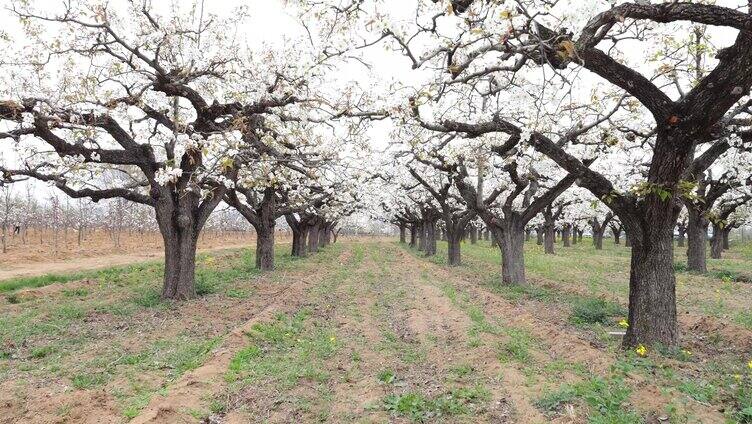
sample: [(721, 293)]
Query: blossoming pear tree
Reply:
[(170, 104)]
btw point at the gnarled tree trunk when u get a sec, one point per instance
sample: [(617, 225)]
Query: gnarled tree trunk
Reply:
[(179, 227), (697, 238), (512, 244), (652, 289), (716, 242)]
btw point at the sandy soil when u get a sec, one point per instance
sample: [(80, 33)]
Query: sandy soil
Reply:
[(41, 247), (32, 269)]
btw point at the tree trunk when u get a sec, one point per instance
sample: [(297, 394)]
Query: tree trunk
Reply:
[(726, 232), (299, 239), (549, 234), (180, 240), (598, 240), (430, 238), (652, 295), (323, 236), (313, 238), (422, 237), (574, 235), (473, 235), (539, 235), (403, 233), (413, 235), (512, 244), (454, 257), (627, 240), (565, 234), (528, 234), (486, 235), (697, 235), (265, 247), (716, 242), (617, 236)]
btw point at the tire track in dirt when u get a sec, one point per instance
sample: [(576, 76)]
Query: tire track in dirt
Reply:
[(508, 379), (423, 320)]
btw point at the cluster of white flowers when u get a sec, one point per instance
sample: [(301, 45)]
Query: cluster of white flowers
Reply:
[(735, 140), (95, 156), (167, 175), (228, 183), (525, 135), (28, 118), (195, 142)]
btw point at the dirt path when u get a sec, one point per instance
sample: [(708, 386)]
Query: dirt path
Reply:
[(388, 336), (91, 263), (407, 348)]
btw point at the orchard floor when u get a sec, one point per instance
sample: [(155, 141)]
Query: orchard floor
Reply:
[(369, 330)]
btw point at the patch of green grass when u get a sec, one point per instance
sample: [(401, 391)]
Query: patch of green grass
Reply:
[(420, 408), (554, 401), (606, 398), (70, 312), (244, 356), (89, 380), (518, 345), (136, 404), (13, 298), (237, 293), (386, 376), (595, 311), (77, 292), (698, 390), (147, 297), (41, 352), (729, 276), (284, 350), (461, 370), (40, 281)]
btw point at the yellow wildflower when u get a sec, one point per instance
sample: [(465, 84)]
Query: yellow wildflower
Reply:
[(641, 350), (738, 377), (623, 323), (686, 352), (332, 339), (749, 364)]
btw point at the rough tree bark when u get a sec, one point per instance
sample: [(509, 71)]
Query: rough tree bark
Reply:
[(681, 229), (716, 242), (697, 238)]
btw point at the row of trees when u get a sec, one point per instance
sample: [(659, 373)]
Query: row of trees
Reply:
[(531, 97), (169, 112)]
